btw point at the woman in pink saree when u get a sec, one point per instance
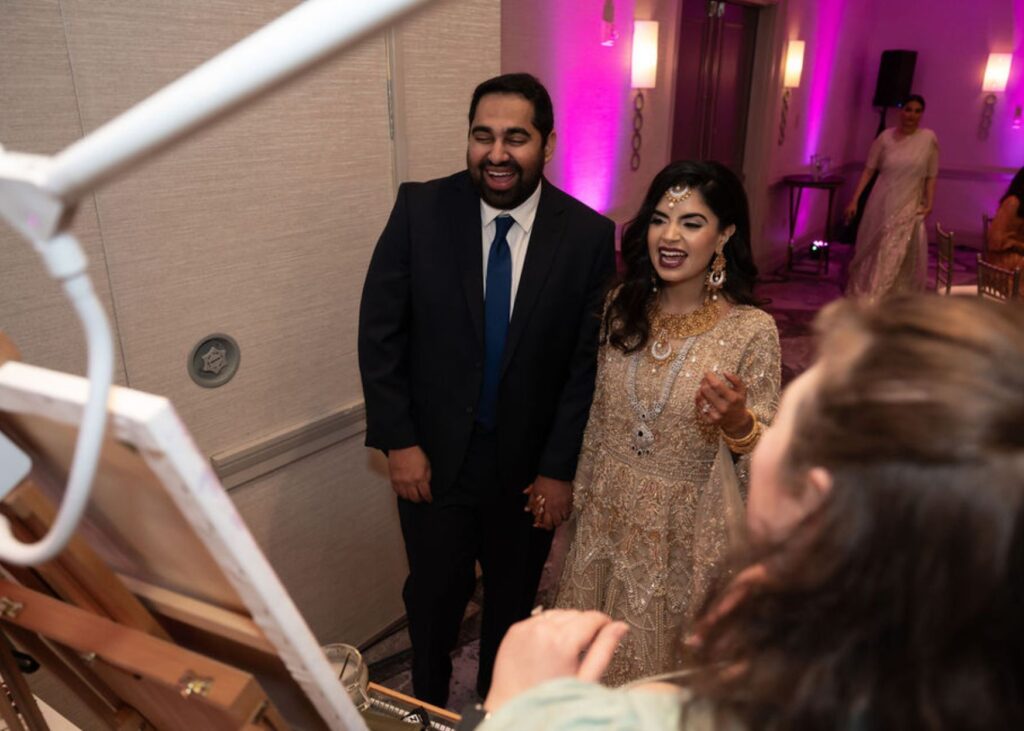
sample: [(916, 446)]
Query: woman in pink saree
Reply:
[(892, 244)]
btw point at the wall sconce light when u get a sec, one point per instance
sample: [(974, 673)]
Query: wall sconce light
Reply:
[(794, 64), (997, 74), (644, 75), (608, 33), (790, 80)]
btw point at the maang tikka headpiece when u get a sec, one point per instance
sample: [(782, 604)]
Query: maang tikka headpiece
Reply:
[(677, 194)]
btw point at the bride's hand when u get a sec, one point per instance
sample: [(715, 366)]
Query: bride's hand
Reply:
[(723, 403), (553, 644)]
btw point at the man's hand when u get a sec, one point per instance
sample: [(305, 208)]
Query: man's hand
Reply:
[(409, 469), (550, 501), (554, 644)]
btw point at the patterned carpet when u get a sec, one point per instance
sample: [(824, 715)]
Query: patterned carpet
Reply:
[(793, 298)]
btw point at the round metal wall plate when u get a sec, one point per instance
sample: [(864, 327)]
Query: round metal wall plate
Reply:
[(214, 360)]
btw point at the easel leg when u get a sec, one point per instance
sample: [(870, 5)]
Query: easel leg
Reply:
[(66, 669), (18, 691)]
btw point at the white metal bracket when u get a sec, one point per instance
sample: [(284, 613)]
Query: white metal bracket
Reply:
[(25, 204)]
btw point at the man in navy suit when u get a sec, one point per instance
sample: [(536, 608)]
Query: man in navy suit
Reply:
[(478, 333)]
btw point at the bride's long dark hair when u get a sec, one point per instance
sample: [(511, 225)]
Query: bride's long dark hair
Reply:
[(626, 321)]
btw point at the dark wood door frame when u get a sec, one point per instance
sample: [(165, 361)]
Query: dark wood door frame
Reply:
[(710, 121)]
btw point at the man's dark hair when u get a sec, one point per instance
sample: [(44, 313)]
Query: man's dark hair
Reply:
[(526, 86)]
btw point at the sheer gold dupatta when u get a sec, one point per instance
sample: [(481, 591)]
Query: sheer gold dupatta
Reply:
[(732, 500)]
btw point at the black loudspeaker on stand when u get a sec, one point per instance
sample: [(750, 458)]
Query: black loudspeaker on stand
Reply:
[(895, 79)]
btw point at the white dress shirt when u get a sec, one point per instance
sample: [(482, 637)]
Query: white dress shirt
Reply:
[(518, 236)]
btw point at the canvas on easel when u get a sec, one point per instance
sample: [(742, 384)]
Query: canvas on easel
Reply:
[(163, 524)]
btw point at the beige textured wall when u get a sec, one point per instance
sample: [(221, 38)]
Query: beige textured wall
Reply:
[(441, 55), (260, 227), (314, 521), (248, 229), (39, 114)]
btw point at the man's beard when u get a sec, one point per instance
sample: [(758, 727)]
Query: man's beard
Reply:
[(506, 200)]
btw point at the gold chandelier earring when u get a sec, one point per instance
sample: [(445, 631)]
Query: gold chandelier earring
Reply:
[(716, 276)]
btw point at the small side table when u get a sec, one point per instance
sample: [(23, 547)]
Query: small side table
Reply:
[(796, 185)]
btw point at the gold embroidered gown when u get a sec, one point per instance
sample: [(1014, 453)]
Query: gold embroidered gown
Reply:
[(648, 531)]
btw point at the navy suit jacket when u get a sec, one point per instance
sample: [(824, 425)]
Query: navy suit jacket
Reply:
[(421, 326)]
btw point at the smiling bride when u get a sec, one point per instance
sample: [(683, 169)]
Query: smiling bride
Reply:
[(688, 374)]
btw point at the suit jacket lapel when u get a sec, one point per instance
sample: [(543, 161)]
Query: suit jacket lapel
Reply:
[(469, 252), (544, 242)]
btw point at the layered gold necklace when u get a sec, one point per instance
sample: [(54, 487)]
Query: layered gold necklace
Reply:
[(667, 327)]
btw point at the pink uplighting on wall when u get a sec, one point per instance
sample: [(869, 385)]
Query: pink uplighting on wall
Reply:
[(822, 65), (1012, 150), (589, 130), (817, 75), (590, 88)]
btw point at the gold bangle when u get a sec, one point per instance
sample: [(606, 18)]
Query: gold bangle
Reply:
[(746, 443)]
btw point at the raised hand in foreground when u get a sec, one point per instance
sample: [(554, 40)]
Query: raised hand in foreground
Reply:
[(553, 644)]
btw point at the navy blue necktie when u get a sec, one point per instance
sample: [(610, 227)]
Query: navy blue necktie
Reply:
[(497, 301)]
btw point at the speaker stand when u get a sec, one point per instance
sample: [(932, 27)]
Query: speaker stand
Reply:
[(881, 120)]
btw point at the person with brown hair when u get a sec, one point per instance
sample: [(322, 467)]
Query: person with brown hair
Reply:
[(886, 588), (1005, 245)]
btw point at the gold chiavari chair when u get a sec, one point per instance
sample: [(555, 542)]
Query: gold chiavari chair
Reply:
[(944, 264), (997, 283), (986, 221)]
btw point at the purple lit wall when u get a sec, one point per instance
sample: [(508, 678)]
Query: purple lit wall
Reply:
[(824, 112), (832, 114), (590, 90), (822, 67), (953, 39), (559, 41), (1014, 96)]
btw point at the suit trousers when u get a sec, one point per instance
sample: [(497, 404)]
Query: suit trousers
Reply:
[(443, 541)]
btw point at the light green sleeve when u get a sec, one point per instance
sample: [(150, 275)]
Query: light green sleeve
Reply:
[(567, 704)]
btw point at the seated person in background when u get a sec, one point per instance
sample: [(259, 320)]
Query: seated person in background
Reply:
[(1006, 232), (886, 510)]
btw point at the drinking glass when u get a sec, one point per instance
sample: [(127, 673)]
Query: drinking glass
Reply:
[(347, 663)]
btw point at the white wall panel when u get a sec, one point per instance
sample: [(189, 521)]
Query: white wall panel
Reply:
[(329, 526), (39, 115), (442, 53), (259, 228)]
